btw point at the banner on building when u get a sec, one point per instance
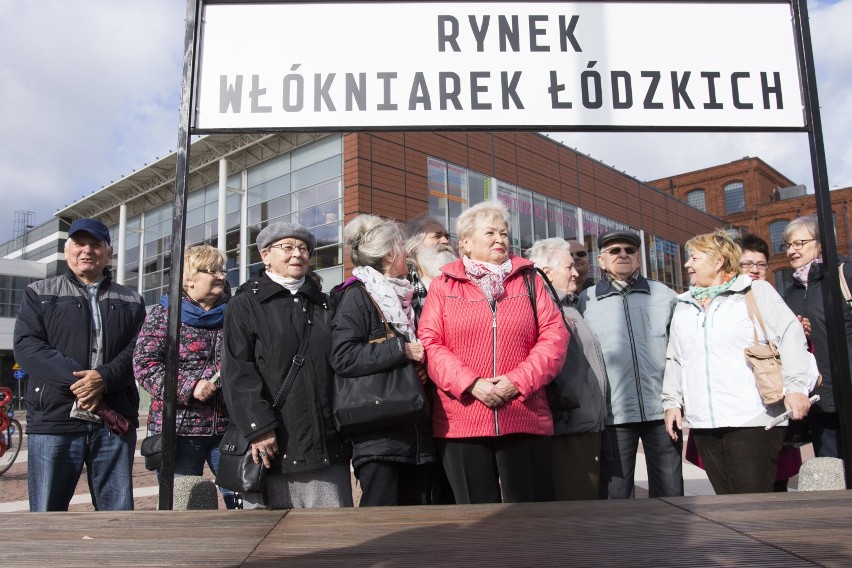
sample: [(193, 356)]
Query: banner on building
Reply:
[(492, 65)]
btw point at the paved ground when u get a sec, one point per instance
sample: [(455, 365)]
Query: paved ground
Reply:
[(13, 484)]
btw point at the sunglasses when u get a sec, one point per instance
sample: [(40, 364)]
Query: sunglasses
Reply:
[(580, 254), (615, 251)]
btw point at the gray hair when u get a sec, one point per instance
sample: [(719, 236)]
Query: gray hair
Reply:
[(809, 222), (543, 252), (371, 239), (485, 211), (415, 230)]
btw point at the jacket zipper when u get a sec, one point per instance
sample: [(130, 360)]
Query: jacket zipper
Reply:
[(493, 306), (705, 314), (633, 357)]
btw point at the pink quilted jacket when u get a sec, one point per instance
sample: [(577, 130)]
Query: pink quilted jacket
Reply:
[(465, 340)]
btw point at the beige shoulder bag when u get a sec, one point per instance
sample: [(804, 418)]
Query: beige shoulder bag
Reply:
[(764, 359)]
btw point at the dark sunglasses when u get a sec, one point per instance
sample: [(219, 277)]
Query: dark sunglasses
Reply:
[(580, 254), (615, 251)]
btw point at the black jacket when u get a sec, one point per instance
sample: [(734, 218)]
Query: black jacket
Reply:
[(52, 340), (356, 321), (808, 302), (263, 330)]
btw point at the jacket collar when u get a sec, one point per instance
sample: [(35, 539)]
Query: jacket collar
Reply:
[(741, 284), (605, 288), (69, 274), (262, 287), (455, 269)]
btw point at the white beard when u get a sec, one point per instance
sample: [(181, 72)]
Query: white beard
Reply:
[(431, 259)]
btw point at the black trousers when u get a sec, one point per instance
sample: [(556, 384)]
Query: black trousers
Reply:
[(739, 460), (479, 468), (387, 484)]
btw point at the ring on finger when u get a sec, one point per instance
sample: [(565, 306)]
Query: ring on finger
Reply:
[(261, 453)]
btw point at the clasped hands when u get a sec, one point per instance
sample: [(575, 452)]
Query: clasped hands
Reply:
[(493, 392), (88, 389)]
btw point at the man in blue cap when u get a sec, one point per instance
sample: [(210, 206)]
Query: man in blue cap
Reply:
[(75, 335), (630, 315)]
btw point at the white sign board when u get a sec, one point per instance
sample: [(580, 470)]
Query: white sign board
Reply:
[(487, 65)]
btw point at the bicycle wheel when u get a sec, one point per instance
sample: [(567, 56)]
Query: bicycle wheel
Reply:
[(13, 436)]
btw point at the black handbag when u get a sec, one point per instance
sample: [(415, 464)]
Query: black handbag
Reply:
[(152, 448), (563, 392), (237, 470), (380, 400)]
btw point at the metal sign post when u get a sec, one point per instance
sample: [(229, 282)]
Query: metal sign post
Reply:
[(834, 304)]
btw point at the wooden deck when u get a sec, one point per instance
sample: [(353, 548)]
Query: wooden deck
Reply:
[(794, 529)]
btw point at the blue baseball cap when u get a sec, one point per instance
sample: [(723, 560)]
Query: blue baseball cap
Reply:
[(91, 226)]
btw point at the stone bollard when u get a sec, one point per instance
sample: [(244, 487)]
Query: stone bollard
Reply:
[(193, 492), (822, 474)]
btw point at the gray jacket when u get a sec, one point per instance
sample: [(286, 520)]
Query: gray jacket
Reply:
[(633, 330), (585, 355)]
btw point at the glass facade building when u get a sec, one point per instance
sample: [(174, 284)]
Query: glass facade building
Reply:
[(534, 216)]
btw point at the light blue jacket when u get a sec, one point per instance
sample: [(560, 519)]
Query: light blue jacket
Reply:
[(633, 330)]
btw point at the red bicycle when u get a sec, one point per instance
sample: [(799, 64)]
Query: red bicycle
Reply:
[(11, 434)]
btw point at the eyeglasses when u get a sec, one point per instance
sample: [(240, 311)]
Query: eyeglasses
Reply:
[(580, 254), (748, 264), (213, 272), (615, 251), (796, 245), (290, 249)]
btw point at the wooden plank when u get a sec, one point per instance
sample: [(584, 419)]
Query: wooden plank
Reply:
[(795, 529), (650, 533), (134, 538)]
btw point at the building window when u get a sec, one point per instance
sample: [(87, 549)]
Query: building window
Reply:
[(664, 261), (734, 197), (452, 189), (783, 279), (697, 199), (776, 235)]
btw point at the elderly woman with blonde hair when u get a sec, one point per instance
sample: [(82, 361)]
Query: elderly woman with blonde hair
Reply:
[(491, 355), (709, 378), (202, 417)]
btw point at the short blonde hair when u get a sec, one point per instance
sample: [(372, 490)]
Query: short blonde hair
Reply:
[(201, 257), (484, 212), (718, 246)]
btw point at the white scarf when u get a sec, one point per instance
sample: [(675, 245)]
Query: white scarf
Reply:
[(393, 295), (290, 283)]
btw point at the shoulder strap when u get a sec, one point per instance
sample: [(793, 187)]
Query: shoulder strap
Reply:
[(844, 286), (529, 275), (298, 361), (389, 332), (754, 312)]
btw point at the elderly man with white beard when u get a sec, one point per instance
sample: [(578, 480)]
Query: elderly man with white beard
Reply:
[(428, 245)]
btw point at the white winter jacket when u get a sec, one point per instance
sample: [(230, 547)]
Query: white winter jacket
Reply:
[(706, 370)]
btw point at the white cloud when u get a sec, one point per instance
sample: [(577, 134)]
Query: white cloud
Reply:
[(649, 156), (90, 92)]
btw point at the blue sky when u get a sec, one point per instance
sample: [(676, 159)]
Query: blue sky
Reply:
[(90, 92)]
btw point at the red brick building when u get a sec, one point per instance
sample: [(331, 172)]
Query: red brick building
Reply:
[(752, 196), (551, 190)]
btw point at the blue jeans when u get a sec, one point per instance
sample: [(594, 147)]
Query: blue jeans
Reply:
[(56, 461), (193, 452)]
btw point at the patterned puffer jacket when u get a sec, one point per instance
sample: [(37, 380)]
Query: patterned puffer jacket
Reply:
[(200, 353)]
